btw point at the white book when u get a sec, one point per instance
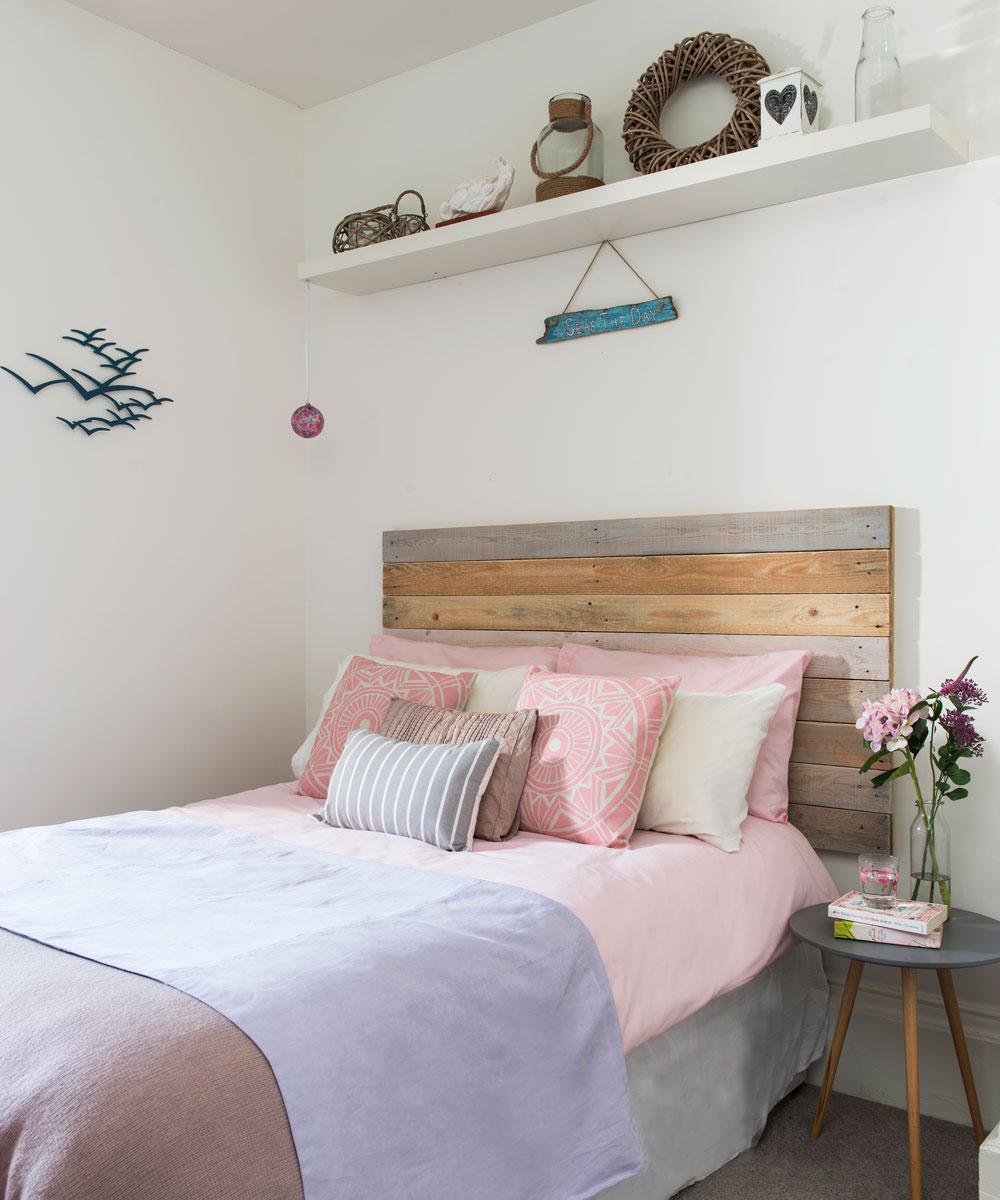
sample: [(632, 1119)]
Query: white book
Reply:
[(913, 916), (859, 931)]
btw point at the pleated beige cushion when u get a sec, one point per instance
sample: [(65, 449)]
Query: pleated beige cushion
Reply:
[(430, 726)]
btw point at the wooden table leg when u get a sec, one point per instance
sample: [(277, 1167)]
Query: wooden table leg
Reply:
[(961, 1050), (912, 1075), (839, 1033)]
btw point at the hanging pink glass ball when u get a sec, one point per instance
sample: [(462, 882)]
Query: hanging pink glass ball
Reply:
[(307, 421)]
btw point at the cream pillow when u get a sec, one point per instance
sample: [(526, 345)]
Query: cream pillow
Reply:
[(491, 692), (707, 753)]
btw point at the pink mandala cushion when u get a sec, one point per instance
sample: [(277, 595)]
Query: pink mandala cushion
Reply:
[(360, 701), (594, 745), (767, 795)]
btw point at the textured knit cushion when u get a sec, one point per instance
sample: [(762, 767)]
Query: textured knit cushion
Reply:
[(359, 701), (430, 793), (594, 744), (706, 756), (768, 793), (497, 820)]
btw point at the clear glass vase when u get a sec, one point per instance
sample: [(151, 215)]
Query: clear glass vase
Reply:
[(569, 154), (878, 82), (930, 859)]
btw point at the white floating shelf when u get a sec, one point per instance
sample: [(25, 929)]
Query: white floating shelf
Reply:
[(785, 169)]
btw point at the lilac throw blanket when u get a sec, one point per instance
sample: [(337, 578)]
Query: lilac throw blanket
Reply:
[(434, 1038)]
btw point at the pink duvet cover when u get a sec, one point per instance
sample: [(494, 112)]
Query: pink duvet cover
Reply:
[(676, 921)]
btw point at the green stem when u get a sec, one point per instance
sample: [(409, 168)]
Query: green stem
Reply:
[(929, 847)]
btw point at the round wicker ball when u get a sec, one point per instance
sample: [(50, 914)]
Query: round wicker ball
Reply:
[(364, 229), (733, 60)]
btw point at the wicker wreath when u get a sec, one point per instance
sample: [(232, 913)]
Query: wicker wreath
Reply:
[(735, 61)]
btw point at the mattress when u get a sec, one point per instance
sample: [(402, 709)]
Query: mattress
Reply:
[(127, 1087), (677, 922)]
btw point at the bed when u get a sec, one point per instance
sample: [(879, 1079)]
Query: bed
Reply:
[(718, 1012)]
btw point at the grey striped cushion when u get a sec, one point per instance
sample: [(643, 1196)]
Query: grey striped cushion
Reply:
[(430, 793), (427, 725)]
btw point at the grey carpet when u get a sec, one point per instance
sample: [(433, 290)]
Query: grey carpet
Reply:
[(862, 1154)]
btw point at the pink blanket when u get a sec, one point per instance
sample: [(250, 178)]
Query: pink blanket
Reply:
[(677, 922)]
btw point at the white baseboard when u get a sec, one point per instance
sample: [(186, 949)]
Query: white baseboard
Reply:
[(981, 1022), (872, 1064)]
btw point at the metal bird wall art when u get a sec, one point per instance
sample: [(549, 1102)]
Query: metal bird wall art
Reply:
[(125, 403)]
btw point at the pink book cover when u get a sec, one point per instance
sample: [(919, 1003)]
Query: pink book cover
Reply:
[(912, 916)]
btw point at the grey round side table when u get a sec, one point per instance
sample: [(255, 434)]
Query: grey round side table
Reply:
[(969, 940)]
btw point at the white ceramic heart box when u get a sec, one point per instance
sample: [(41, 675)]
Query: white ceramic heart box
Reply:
[(789, 103)]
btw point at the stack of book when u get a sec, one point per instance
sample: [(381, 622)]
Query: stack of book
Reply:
[(910, 923)]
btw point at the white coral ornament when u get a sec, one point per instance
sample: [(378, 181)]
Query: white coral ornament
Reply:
[(486, 194)]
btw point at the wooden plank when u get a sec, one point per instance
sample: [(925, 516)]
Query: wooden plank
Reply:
[(838, 699), (836, 787), (825, 742), (892, 575), (734, 533), (842, 828), (833, 657), (669, 574), (842, 615), (482, 637)]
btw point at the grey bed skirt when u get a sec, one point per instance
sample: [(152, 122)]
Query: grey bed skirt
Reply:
[(701, 1092)]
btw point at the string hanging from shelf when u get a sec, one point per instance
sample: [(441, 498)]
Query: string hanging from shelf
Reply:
[(567, 326), (307, 421)]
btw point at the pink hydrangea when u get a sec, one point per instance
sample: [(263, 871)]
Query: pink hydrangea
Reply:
[(886, 722)]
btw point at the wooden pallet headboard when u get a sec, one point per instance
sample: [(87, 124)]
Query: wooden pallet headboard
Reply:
[(734, 583)]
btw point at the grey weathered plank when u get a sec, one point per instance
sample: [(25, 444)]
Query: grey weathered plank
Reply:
[(838, 699), (734, 533), (833, 657), (838, 614), (836, 787), (843, 829), (651, 574), (826, 742), (483, 637)]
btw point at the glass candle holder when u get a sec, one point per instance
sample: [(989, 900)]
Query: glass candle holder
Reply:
[(569, 154), (879, 879)]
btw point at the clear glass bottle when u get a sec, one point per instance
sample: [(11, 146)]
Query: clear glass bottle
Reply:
[(930, 859), (878, 81), (569, 154)]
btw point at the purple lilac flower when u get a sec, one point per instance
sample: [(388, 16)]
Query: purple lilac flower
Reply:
[(963, 732), (963, 692)]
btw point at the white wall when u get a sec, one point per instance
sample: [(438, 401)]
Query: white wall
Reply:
[(836, 351), (151, 638)]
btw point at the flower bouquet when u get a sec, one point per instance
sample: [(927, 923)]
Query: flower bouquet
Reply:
[(906, 721)]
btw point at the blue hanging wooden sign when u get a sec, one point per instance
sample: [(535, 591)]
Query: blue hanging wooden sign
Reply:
[(588, 321), (568, 326)]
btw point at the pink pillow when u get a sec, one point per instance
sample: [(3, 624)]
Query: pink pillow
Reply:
[(767, 796), (441, 654), (594, 744), (360, 701)]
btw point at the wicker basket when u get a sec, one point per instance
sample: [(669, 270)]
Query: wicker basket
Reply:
[(380, 224), (407, 223)]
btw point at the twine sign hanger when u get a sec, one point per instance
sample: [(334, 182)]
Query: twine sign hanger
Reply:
[(570, 325)]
